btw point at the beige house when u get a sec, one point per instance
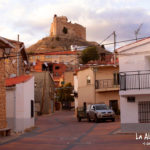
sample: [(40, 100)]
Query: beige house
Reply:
[(66, 57), (98, 84)]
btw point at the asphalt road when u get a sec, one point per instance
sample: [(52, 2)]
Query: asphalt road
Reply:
[(61, 131)]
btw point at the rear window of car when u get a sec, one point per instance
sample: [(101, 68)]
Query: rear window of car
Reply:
[(101, 107)]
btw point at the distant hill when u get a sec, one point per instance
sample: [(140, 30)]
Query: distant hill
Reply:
[(51, 44)]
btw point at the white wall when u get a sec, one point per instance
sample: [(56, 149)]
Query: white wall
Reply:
[(129, 111), (24, 95), (28, 96), (10, 107), (135, 59)]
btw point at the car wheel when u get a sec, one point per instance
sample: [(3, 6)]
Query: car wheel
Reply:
[(79, 119), (88, 117), (96, 119)]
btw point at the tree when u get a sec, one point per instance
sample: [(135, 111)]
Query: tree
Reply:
[(64, 95), (88, 54)]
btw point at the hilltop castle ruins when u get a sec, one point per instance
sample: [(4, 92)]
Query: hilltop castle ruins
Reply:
[(60, 27)]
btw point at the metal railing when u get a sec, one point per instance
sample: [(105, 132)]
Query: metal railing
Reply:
[(106, 83), (134, 80)]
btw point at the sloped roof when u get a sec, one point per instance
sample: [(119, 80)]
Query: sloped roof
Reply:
[(136, 43), (58, 53), (5, 43), (17, 80)]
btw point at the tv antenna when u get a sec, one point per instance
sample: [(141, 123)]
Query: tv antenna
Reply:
[(137, 31)]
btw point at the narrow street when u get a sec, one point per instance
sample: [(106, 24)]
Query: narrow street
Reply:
[(61, 131)]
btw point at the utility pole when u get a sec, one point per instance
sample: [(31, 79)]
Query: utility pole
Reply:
[(43, 94), (114, 33), (18, 58)]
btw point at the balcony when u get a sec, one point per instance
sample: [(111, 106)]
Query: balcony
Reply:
[(135, 82), (106, 85)]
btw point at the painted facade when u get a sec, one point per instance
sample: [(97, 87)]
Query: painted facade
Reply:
[(134, 62), (20, 103), (96, 85)]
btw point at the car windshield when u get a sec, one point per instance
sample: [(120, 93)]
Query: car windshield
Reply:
[(101, 107)]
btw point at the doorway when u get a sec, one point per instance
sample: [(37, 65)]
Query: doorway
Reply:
[(114, 105)]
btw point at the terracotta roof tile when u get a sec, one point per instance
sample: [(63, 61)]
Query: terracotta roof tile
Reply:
[(17, 80), (62, 53)]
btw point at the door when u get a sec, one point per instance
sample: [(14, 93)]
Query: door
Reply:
[(114, 105)]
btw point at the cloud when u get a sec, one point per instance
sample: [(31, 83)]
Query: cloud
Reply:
[(32, 19)]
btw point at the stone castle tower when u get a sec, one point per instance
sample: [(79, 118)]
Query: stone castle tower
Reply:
[(60, 27)]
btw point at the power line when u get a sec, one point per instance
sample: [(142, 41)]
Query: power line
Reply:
[(126, 40), (107, 38), (15, 56)]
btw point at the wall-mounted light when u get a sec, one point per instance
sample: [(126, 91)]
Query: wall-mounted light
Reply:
[(35, 84)]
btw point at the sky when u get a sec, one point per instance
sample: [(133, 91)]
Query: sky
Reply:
[(31, 19)]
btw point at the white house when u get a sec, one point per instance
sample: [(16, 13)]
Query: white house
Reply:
[(20, 102), (134, 63)]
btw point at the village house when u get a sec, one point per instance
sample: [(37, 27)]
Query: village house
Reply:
[(134, 62), (66, 57), (20, 102), (97, 84), (5, 48), (44, 92), (17, 64)]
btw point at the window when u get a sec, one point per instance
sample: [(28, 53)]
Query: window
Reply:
[(47, 56), (38, 57), (103, 56), (144, 111), (32, 108), (57, 67), (65, 30), (88, 80), (116, 78)]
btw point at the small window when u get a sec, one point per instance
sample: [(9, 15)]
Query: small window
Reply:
[(88, 80), (65, 30), (57, 67), (32, 108)]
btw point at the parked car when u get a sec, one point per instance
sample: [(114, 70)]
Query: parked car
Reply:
[(100, 112)]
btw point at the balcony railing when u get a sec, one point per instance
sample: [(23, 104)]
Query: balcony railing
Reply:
[(106, 84), (134, 80)]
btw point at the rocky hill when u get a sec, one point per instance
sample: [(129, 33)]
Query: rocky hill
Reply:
[(51, 44)]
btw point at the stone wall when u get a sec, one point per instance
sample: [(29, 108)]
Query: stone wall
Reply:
[(3, 123), (47, 98), (11, 62), (60, 27)]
